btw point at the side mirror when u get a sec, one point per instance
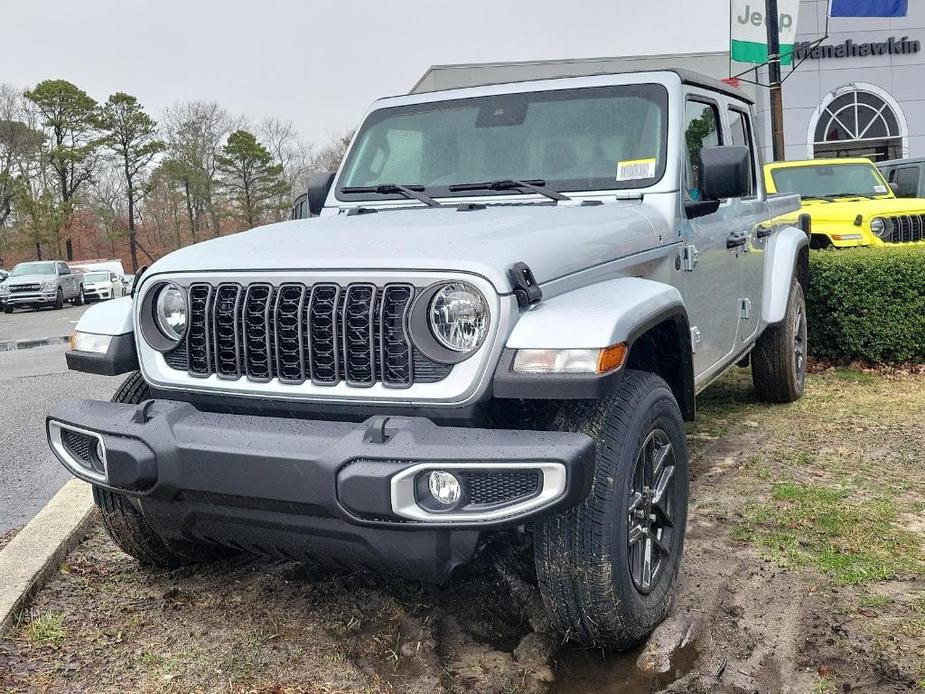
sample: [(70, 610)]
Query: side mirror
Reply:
[(319, 185), (726, 172)]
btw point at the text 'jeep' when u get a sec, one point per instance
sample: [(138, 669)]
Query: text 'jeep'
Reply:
[(496, 323)]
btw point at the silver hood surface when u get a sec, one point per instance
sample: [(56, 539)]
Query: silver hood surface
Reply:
[(553, 240)]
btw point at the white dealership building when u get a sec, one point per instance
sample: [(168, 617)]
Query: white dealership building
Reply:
[(860, 92)]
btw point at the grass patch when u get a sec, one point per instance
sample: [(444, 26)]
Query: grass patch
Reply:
[(46, 629), (874, 600), (854, 376), (852, 539)]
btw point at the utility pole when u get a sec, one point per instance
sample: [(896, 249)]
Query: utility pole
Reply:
[(772, 21)]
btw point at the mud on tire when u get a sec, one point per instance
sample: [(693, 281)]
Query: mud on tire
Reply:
[(779, 357), (128, 527), (590, 574)]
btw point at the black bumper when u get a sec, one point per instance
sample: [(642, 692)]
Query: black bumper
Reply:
[(305, 489)]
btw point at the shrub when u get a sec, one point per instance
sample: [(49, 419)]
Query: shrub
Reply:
[(868, 303)]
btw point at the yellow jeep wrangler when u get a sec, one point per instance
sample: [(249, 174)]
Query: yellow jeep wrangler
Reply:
[(850, 202)]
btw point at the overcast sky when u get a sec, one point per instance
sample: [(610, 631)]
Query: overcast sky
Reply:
[(318, 63)]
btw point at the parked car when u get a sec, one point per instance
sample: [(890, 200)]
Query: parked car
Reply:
[(114, 266), (41, 283), (906, 176), (496, 327), (100, 285), (3, 274), (849, 201)]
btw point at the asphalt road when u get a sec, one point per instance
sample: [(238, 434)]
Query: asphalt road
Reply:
[(31, 380)]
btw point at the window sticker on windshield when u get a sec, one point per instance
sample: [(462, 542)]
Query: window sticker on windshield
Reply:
[(880, 189), (635, 169)]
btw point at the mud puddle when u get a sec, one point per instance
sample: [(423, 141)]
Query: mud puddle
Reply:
[(580, 671)]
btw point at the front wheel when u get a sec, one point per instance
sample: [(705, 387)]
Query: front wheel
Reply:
[(608, 566), (779, 357), (59, 299)]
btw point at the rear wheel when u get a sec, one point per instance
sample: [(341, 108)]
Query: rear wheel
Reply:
[(128, 527), (79, 300), (779, 357), (608, 566)]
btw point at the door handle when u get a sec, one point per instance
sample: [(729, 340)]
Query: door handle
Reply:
[(736, 239)]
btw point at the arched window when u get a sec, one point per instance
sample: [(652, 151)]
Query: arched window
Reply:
[(857, 122)]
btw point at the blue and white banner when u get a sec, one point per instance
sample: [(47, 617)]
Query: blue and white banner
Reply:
[(869, 8)]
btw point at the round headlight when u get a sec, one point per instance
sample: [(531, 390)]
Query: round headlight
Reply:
[(459, 317), (880, 227), (170, 312)]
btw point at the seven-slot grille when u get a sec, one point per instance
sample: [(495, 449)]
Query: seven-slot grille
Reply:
[(906, 228), (323, 333)]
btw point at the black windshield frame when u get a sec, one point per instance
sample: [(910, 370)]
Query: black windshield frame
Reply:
[(653, 91)]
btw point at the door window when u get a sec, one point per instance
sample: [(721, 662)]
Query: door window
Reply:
[(907, 181), (63, 269), (740, 133), (701, 130)]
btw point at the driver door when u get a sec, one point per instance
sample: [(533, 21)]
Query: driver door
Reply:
[(712, 277)]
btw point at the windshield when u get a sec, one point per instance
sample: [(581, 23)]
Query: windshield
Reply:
[(835, 180), (33, 269), (93, 277), (577, 139)]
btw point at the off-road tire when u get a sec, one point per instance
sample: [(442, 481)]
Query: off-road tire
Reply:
[(7, 309), (128, 527), (779, 357), (583, 555), (59, 299), (79, 300)]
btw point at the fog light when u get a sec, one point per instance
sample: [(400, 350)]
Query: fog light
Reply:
[(444, 487)]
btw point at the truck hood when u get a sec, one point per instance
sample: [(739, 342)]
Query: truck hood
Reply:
[(27, 279), (553, 240), (849, 208)]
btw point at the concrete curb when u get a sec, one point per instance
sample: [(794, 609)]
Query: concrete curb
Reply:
[(37, 550)]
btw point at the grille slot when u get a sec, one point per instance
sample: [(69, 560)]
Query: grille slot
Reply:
[(197, 335), (256, 328), (359, 345), (323, 333), (323, 350), (226, 324), (290, 362), (486, 488)]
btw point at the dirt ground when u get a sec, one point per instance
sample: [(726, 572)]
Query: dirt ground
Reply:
[(803, 572)]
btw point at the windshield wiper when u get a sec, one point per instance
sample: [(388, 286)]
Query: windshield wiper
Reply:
[(415, 192), (536, 186), (848, 195)]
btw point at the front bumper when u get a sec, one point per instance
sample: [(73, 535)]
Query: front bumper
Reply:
[(28, 299), (334, 492), (91, 294)]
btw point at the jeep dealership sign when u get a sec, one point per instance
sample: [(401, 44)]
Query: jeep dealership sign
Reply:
[(749, 31)]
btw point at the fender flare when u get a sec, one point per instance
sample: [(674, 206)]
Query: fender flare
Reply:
[(594, 317), (782, 262), (115, 319)]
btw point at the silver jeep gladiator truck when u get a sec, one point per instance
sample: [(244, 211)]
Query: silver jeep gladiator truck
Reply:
[(41, 283), (495, 323)]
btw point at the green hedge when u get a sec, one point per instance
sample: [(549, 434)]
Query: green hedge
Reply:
[(868, 304)]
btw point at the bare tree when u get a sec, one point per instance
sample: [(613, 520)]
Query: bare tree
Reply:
[(293, 154), (195, 133), (331, 154)]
